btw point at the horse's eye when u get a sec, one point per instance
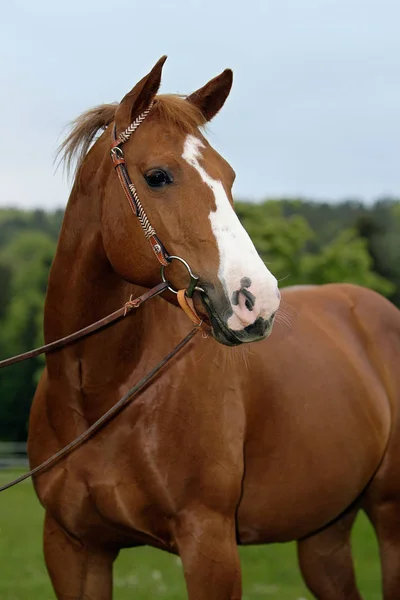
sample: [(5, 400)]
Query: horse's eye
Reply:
[(158, 178)]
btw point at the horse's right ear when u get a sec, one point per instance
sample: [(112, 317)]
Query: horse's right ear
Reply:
[(140, 97)]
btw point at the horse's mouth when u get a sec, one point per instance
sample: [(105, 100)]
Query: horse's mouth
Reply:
[(220, 331), (258, 331)]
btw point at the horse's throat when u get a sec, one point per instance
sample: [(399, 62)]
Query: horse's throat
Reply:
[(83, 287)]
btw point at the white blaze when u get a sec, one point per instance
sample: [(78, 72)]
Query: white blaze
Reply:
[(238, 256)]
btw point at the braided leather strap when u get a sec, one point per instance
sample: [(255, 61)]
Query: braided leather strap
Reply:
[(125, 135), (144, 221), (129, 187)]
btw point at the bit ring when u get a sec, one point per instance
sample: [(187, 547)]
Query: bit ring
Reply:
[(194, 279)]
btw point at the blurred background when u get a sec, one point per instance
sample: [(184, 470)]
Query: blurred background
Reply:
[(311, 128)]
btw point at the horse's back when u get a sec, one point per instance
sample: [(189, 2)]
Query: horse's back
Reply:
[(366, 319)]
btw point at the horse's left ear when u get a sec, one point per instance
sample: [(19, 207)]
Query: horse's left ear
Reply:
[(211, 97)]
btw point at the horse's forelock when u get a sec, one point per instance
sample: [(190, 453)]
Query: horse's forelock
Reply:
[(172, 109)]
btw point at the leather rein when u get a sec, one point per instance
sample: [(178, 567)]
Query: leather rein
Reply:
[(183, 297)]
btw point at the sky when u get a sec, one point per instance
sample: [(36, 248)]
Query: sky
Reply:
[(314, 110)]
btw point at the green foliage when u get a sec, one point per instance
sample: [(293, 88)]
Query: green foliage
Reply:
[(293, 252), (279, 241), (345, 259), (24, 266), (14, 221), (301, 242)]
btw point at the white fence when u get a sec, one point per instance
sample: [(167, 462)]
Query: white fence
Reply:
[(12, 455)]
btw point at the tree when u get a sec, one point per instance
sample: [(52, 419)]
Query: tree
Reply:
[(291, 250), (26, 260), (345, 259)]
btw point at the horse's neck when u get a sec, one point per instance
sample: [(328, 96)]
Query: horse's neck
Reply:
[(83, 287)]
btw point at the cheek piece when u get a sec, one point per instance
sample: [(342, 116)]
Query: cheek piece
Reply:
[(129, 189)]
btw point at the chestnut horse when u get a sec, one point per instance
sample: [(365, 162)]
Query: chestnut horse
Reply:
[(286, 441)]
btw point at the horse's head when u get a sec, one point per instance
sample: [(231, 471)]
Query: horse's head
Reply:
[(184, 186)]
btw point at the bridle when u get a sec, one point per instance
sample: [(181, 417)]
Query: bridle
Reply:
[(183, 296), (129, 188)]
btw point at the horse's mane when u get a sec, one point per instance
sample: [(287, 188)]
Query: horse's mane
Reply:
[(172, 109)]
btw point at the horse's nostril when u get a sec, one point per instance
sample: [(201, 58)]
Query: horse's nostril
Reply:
[(250, 299)]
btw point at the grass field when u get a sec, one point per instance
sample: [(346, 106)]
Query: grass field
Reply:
[(143, 574)]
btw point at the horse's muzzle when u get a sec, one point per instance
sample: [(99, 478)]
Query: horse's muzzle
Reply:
[(257, 331)]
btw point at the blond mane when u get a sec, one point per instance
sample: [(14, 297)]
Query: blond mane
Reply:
[(171, 109)]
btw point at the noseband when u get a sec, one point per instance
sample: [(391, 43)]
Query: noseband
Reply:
[(129, 188)]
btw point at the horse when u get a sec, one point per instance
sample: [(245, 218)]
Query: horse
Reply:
[(232, 444)]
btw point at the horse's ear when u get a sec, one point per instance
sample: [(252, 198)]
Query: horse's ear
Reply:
[(140, 97), (211, 97)]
